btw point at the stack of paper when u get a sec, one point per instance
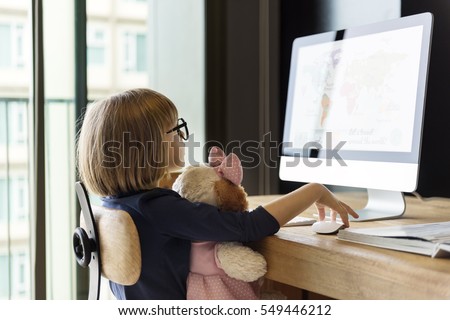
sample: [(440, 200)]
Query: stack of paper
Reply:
[(431, 239)]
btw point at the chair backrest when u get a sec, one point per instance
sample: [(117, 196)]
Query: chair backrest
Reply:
[(107, 242)]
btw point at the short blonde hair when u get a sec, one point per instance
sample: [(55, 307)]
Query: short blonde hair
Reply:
[(120, 144)]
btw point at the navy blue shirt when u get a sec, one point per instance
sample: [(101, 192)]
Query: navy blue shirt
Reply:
[(167, 223)]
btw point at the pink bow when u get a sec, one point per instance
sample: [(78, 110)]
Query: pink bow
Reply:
[(228, 167)]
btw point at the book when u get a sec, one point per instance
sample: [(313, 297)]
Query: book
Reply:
[(299, 221), (430, 239)]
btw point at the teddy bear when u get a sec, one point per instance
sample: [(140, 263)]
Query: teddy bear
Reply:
[(236, 270)]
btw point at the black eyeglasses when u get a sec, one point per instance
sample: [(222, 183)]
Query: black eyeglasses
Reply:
[(181, 129)]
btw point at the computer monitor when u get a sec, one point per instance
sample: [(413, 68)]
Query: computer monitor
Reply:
[(355, 110)]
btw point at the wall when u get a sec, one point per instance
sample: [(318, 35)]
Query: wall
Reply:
[(235, 54), (176, 61), (242, 85), (434, 173)]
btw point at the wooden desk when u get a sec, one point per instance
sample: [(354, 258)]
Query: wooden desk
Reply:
[(343, 270)]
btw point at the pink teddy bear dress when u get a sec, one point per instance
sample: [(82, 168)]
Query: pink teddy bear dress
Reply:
[(207, 281)]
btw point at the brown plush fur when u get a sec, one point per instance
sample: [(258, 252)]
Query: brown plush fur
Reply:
[(230, 197)]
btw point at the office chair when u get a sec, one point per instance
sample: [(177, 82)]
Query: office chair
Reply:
[(107, 242)]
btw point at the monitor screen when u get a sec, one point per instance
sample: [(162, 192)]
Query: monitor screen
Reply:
[(355, 108)]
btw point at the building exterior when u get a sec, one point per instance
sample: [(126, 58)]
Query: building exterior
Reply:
[(15, 74), (130, 43), (116, 56)]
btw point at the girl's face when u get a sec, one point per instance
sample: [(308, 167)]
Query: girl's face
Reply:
[(176, 149)]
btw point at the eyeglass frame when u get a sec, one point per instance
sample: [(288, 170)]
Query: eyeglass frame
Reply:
[(178, 129)]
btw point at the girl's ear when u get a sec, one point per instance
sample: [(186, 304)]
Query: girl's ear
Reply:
[(230, 197)]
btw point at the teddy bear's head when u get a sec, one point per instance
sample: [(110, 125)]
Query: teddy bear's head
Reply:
[(217, 183)]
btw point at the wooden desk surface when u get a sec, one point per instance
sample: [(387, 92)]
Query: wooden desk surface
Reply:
[(344, 270)]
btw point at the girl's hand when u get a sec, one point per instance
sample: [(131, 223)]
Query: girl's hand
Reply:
[(337, 207), (288, 206)]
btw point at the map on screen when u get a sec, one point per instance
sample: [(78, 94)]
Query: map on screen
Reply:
[(362, 89)]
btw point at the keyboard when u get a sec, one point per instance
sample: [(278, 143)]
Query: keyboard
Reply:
[(300, 221)]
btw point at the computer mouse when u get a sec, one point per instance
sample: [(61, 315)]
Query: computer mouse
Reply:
[(327, 227)]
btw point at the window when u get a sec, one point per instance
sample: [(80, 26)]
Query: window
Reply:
[(3, 201), (12, 39), (141, 52), (135, 52), (18, 122), (100, 67), (59, 145), (3, 128), (119, 57), (19, 46), (5, 40), (96, 46), (20, 276), (4, 284), (15, 87), (19, 199)]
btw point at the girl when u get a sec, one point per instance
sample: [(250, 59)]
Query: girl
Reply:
[(127, 144)]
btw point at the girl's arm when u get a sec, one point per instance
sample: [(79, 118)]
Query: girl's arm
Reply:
[(288, 206)]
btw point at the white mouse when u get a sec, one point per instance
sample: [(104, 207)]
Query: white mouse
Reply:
[(327, 227)]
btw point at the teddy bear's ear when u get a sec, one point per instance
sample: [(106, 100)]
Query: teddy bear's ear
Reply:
[(230, 169), (216, 156)]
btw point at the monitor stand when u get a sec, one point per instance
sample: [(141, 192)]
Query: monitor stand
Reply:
[(381, 205)]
